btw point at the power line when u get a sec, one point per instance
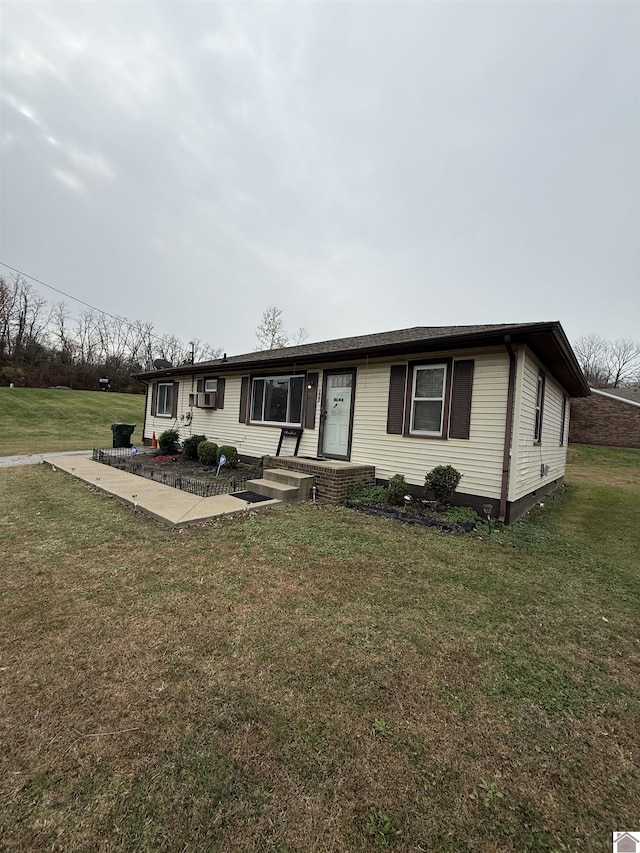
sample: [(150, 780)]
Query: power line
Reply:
[(75, 299)]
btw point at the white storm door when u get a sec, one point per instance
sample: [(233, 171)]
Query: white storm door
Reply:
[(338, 388)]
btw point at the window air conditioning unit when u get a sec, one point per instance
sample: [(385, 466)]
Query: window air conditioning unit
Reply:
[(207, 400)]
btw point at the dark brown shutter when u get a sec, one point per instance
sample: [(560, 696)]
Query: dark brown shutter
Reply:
[(395, 412), (460, 417), (310, 400), (154, 399), (244, 401), (200, 386), (220, 397), (174, 400)]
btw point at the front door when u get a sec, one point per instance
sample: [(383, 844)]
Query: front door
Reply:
[(337, 413)]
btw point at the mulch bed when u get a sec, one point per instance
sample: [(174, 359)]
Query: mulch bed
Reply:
[(413, 515), (175, 464)]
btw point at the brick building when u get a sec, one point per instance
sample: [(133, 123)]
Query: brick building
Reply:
[(610, 417)]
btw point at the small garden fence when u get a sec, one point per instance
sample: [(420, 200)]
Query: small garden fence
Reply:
[(121, 458)]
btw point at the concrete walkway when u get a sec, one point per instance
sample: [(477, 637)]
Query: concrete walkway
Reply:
[(36, 458), (161, 502)]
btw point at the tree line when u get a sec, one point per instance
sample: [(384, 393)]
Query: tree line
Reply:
[(41, 344), (608, 364)]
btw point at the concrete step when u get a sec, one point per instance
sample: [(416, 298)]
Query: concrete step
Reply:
[(279, 491), (291, 478)]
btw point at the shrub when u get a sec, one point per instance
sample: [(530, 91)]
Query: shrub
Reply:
[(441, 482), (396, 490), (190, 446), (231, 453), (208, 452), (168, 442)]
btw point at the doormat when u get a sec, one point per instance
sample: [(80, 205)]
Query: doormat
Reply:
[(250, 497)]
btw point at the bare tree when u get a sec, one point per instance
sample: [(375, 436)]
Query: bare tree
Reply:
[(40, 343), (624, 362), (608, 364), (298, 337), (271, 333), (24, 318)]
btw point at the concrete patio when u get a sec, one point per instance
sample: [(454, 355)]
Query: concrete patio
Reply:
[(164, 503)]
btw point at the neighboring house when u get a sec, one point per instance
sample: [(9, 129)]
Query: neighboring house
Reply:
[(493, 401), (611, 416)]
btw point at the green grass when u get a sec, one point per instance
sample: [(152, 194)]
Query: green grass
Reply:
[(313, 678), (38, 420), (609, 457)]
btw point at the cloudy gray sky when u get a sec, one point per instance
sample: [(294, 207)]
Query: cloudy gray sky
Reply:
[(364, 166)]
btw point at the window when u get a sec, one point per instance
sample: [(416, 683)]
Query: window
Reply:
[(277, 400), (164, 405), (563, 419), (210, 385), (537, 433), (427, 399)]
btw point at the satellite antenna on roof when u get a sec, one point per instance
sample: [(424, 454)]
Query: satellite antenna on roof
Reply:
[(162, 364)]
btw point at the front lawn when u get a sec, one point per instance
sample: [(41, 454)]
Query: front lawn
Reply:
[(316, 679), (44, 420)]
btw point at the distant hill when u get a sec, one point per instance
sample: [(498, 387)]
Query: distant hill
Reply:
[(39, 420)]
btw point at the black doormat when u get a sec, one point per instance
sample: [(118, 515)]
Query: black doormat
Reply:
[(250, 497)]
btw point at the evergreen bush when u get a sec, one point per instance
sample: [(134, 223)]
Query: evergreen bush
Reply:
[(190, 447), (441, 482), (168, 442), (396, 490), (231, 453), (208, 452)]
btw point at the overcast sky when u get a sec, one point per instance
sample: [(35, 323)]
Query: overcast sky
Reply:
[(363, 166)]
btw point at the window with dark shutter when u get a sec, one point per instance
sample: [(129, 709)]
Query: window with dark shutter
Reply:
[(460, 418), (395, 410), (220, 400), (243, 416), (310, 400)]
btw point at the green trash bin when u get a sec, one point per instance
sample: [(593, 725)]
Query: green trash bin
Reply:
[(122, 434)]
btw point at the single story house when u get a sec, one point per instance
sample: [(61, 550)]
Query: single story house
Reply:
[(491, 400), (610, 417)]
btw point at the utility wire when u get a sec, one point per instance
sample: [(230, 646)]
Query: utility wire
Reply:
[(81, 301)]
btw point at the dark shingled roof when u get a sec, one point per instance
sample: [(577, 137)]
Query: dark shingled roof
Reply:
[(400, 341), (360, 343)]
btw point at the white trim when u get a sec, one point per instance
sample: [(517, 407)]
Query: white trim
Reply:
[(164, 414), (614, 397), (440, 399)]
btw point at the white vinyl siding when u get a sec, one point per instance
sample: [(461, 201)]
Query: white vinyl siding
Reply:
[(222, 426), (528, 456), (479, 458)]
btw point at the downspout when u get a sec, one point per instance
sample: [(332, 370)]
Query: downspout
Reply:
[(508, 430), (146, 401)]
